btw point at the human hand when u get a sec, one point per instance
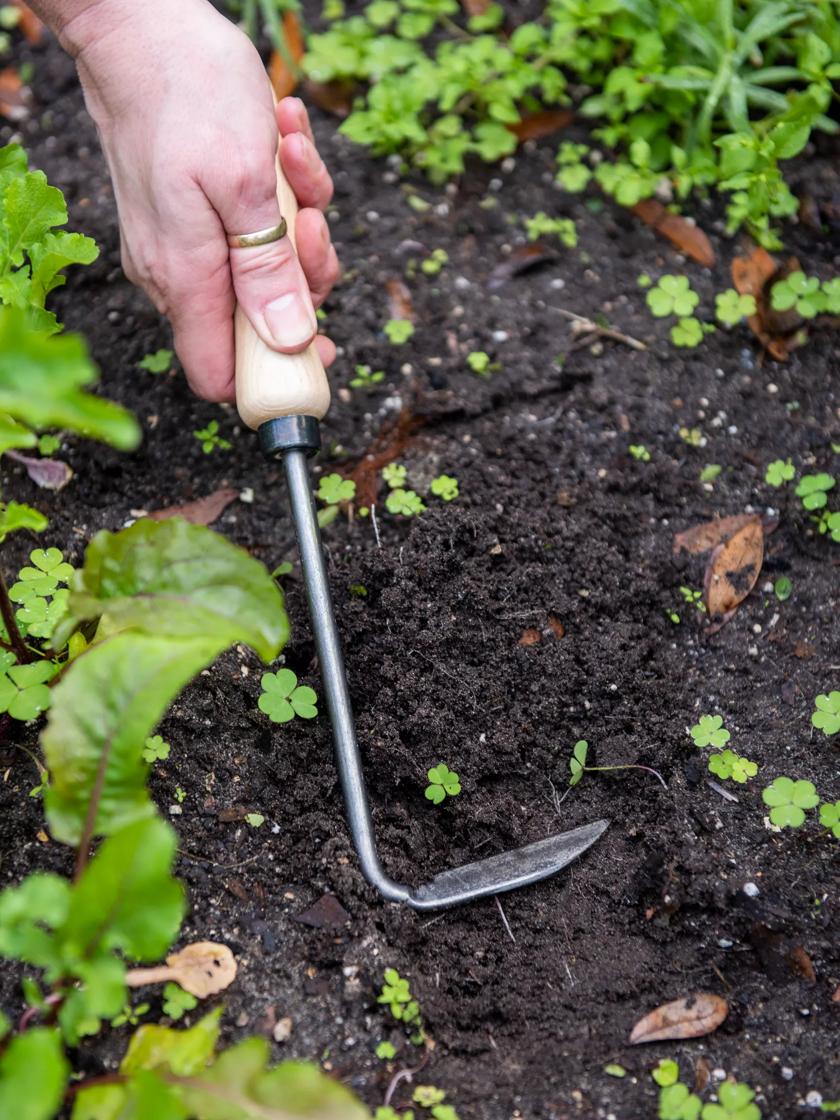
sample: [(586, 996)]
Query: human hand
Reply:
[(190, 132)]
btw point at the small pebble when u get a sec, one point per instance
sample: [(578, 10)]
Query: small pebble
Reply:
[(246, 495), (462, 283), (372, 215), (558, 283), (495, 185), (508, 164), (814, 1099), (751, 890), (772, 388), (724, 943), (282, 1030), (787, 1073), (500, 336), (719, 1074)]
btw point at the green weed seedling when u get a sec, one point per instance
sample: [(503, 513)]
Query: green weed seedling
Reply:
[(158, 362), (445, 487), (480, 363), (813, 490), (333, 489), (48, 445), (443, 783), (578, 767), (677, 1102), (41, 592), (693, 598), (210, 439), (728, 764), (826, 714), (779, 472), (180, 795), (710, 732), (406, 503), (395, 475), (783, 588), (710, 472), (386, 1051), (573, 175), (282, 698), (688, 333), (830, 817), (365, 378), (255, 820), (24, 691), (666, 1073), (177, 1002), (155, 749), (541, 225), (435, 261), (829, 523), (427, 1096), (731, 307), (788, 801), (736, 1102), (385, 1112), (800, 293), (397, 997), (639, 452), (398, 331), (673, 295), (131, 1016)]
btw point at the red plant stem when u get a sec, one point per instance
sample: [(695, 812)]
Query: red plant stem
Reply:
[(16, 643)]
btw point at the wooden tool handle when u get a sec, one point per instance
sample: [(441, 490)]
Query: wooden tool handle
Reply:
[(270, 384)]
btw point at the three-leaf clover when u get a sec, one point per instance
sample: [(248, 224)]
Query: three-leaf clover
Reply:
[(427, 1096), (736, 1103), (282, 698), (176, 1001), (445, 487), (731, 306), (830, 817), (395, 475), (639, 452), (23, 688), (728, 764), (577, 763), (788, 800), (779, 472), (386, 1050), (48, 571), (155, 748), (399, 331), (710, 732), (687, 333), (333, 489), (677, 1102), (826, 714), (158, 362), (667, 1073), (443, 782), (405, 502), (813, 490), (673, 295), (800, 292)]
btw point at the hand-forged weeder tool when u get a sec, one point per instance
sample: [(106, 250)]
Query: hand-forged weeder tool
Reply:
[(283, 397)]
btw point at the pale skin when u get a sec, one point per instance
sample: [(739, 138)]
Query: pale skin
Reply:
[(187, 121)]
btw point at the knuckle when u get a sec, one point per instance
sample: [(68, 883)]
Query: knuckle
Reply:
[(256, 263)]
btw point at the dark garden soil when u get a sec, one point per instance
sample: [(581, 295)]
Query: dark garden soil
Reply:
[(556, 523)]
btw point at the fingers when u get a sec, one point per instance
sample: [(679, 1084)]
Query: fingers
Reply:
[(202, 321), (317, 255), (307, 174), (292, 117), (326, 349)]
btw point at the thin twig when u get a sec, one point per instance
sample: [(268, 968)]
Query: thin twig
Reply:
[(505, 922), (403, 1075), (375, 524), (582, 325)]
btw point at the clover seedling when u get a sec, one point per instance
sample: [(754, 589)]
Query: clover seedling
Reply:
[(677, 1102), (255, 820), (404, 502), (48, 444), (826, 714), (731, 307), (736, 1103), (210, 439), (813, 490), (728, 764), (395, 475), (445, 487), (710, 472), (155, 748), (799, 292), (432, 265), (830, 523), (130, 1015), (176, 1002), (830, 817), (427, 1096), (687, 333), (399, 331), (479, 363), (577, 765), (541, 225), (282, 698), (692, 436), (23, 688), (158, 362), (783, 588), (639, 452), (366, 378), (779, 472), (710, 732), (667, 1073), (332, 489), (180, 795), (385, 1051), (443, 783), (673, 295), (573, 175), (693, 598), (788, 800)]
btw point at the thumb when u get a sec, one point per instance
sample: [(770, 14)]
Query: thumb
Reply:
[(269, 282)]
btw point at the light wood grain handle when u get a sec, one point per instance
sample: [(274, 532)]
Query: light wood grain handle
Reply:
[(270, 384)]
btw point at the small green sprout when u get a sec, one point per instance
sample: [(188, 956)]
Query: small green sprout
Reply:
[(613, 1069), (643, 280), (639, 452), (432, 265), (23, 688), (779, 472), (366, 378), (130, 1016), (395, 475), (692, 436), (48, 444), (736, 1103), (799, 292), (813, 490), (710, 472), (255, 820), (783, 588), (677, 1102), (728, 764), (673, 295), (404, 502), (541, 225), (731, 307), (385, 1051), (443, 783), (48, 571), (283, 569), (667, 1073), (830, 523), (176, 1002), (332, 489), (479, 363), (788, 800), (427, 1096), (444, 1111), (830, 817), (210, 439), (826, 714), (577, 765), (398, 331), (831, 296), (385, 1112), (710, 732), (358, 590), (158, 362), (396, 995), (445, 487), (693, 598), (687, 333), (573, 174), (155, 749), (282, 698), (180, 795)]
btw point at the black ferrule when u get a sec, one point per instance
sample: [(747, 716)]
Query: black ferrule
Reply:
[(287, 433)]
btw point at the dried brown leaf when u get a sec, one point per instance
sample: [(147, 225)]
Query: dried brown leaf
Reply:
[(690, 1017), (285, 76), (754, 274), (522, 259), (683, 234), (530, 638), (203, 511), (333, 97), (29, 24), (326, 913), (475, 7), (400, 305), (733, 568), (13, 95), (534, 126), (49, 474), (701, 538)]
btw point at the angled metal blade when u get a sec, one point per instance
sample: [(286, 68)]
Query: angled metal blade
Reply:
[(506, 871)]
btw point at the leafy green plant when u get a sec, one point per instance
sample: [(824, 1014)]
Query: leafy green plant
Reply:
[(788, 801), (398, 331), (427, 1096), (395, 475), (639, 452), (813, 490), (480, 363), (282, 698), (177, 1002), (672, 295), (255, 820), (800, 293), (443, 783), (131, 1016), (667, 1072), (155, 749), (736, 1103), (826, 714), (541, 225), (23, 688), (404, 502), (694, 598), (160, 361), (830, 817), (710, 472), (783, 588), (578, 765), (829, 523), (779, 472), (365, 378), (210, 439), (687, 333), (445, 487), (572, 173), (677, 1102), (434, 263), (728, 764), (710, 732), (333, 489), (386, 1051), (396, 995), (731, 307)]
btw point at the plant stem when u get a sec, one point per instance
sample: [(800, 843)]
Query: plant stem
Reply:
[(632, 766), (16, 643)]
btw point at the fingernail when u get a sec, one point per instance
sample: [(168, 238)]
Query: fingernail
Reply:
[(290, 320)]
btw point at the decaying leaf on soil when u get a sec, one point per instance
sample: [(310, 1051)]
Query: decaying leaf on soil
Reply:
[(13, 95), (534, 126), (400, 305), (705, 536), (203, 969), (733, 569), (753, 275), (683, 234), (49, 474), (203, 511), (690, 1017)]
